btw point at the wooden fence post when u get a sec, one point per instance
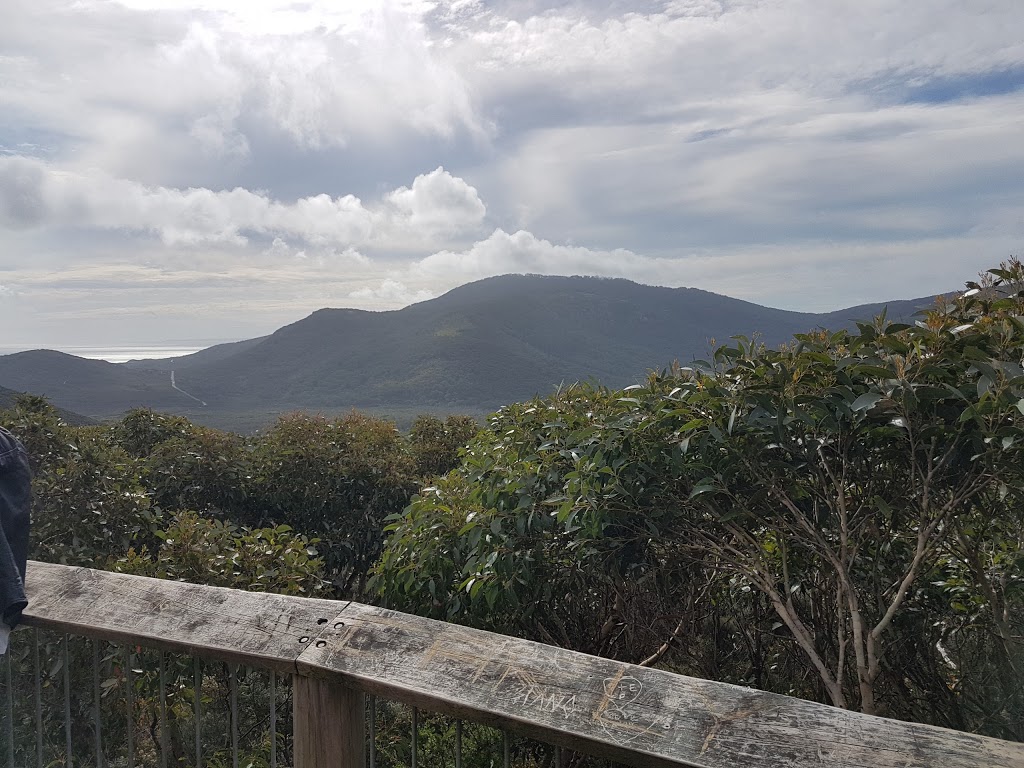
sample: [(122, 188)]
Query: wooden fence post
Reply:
[(329, 723)]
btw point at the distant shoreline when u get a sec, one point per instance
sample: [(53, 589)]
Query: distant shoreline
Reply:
[(119, 354)]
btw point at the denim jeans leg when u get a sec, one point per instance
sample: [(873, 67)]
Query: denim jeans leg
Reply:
[(15, 506)]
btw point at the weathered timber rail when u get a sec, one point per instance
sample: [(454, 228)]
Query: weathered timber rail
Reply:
[(339, 651)]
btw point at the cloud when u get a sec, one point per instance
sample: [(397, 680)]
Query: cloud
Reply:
[(34, 194), (694, 8), (695, 50), (438, 203), (523, 252), (390, 293), (21, 193), (766, 170), (371, 77), (115, 80)]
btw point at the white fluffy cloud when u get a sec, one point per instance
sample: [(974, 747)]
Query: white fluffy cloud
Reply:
[(522, 252), (34, 194), (389, 293), (438, 203)]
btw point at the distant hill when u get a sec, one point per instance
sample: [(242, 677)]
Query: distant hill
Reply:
[(476, 347), (94, 388), (8, 396), (208, 355)]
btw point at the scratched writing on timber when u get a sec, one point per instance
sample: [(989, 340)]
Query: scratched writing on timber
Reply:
[(522, 688), (509, 680), (620, 712)]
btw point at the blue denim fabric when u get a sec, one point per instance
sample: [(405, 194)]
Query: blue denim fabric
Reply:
[(15, 503)]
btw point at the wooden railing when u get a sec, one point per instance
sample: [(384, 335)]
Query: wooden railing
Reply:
[(337, 652)]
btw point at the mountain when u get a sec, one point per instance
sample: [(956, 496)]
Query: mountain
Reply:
[(95, 388), (474, 348)]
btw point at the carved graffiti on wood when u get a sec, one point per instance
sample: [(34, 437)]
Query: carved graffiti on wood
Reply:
[(623, 715)]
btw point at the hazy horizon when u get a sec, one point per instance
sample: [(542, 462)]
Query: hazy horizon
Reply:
[(119, 353)]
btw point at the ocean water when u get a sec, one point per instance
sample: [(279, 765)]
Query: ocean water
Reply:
[(120, 354)]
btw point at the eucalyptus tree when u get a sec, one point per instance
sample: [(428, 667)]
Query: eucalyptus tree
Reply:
[(857, 464)]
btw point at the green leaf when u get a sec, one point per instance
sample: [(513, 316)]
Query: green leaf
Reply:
[(703, 487), (866, 401)]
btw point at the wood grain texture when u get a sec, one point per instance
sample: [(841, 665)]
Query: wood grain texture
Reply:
[(635, 715), (330, 724), (257, 629)]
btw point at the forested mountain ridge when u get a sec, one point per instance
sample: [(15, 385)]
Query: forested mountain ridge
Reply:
[(478, 346)]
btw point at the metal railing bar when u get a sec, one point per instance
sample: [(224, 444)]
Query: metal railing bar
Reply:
[(415, 735), (506, 749), (39, 697), (458, 744), (129, 704), (233, 702), (66, 658), (371, 703), (197, 695), (96, 719), (162, 663), (273, 719)]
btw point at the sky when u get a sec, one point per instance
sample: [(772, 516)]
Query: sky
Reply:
[(183, 170)]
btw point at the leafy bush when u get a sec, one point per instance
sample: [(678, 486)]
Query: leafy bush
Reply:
[(841, 516), (207, 470), (435, 444), (335, 479), (503, 542), (207, 551)]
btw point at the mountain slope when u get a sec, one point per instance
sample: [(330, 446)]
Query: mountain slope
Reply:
[(94, 388), (208, 355), (9, 396), (477, 347)]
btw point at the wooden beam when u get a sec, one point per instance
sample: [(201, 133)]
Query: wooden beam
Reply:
[(329, 724), (258, 629), (634, 715)]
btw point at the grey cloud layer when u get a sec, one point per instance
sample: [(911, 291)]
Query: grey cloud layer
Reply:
[(797, 153)]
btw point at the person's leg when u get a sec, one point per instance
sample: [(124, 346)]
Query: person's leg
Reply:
[(15, 504)]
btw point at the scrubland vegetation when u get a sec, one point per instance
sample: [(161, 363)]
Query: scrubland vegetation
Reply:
[(840, 519)]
